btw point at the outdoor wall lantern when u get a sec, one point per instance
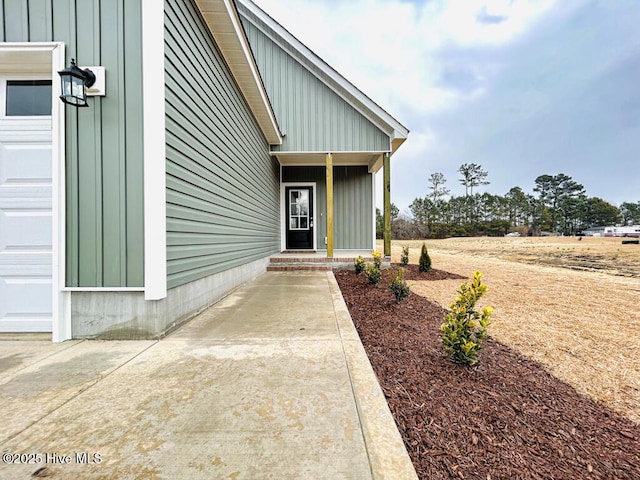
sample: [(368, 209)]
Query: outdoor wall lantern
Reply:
[(74, 84)]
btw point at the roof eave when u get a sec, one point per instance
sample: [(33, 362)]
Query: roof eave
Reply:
[(221, 17)]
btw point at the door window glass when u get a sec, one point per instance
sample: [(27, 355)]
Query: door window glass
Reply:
[(298, 209), (28, 98)]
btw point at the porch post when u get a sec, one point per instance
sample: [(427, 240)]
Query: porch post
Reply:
[(386, 165), (329, 162)]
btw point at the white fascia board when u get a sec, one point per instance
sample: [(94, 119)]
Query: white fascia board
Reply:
[(307, 57), (154, 145)]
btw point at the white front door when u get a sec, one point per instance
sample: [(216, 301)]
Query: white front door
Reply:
[(25, 205)]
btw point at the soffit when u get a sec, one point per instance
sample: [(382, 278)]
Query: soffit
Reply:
[(222, 20), (37, 61), (372, 160)]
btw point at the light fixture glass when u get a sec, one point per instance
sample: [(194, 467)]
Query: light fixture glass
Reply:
[(74, 83)]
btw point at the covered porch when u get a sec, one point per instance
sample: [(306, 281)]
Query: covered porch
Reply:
[(328, 203)]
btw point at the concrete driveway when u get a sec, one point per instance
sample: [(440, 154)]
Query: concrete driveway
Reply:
[(270, 383)]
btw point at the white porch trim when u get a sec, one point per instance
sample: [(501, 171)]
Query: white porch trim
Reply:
[(373, 203)]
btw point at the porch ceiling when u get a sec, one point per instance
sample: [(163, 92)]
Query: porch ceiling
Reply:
[(372, 160)]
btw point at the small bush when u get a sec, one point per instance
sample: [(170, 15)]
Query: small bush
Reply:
[(425, 259), (359, 264), (404, 257), (464, 329), (399, 286), (373, 273), (377, 259)]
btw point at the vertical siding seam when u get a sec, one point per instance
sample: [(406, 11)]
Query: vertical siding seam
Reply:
[(122, 154), (75, 26), (28, 21), (4, 23), (53, 22), (99, 149)]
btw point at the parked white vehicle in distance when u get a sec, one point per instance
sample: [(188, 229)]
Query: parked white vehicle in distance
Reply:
[(627, 231)]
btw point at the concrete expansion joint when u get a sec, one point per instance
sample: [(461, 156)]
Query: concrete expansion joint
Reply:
[(81, 391), (72, 343)]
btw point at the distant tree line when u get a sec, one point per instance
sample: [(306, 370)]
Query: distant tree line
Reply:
[(559, 205)]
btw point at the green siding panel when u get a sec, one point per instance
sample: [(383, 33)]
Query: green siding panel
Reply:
[(16, 20), (104, 158), (222, 184), (353, 207), (353, 203), (310, 114)]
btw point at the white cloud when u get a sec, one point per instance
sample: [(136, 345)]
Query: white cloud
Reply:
[(524, 87), (389, 48)]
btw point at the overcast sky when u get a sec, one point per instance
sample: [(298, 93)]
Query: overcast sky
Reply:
[(522, 87)]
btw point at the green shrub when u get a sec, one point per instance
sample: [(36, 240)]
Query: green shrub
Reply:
[(425, 259), (373, 273), (399, 286), (404, 257), (464, 329), (377, 259), (359, 264)]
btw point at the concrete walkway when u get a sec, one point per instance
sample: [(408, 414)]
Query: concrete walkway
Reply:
[(270, 383)]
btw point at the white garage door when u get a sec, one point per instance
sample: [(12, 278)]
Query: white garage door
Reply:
[(25, 206)]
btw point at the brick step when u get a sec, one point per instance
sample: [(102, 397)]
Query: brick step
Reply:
[(316, 259), (294, 267)]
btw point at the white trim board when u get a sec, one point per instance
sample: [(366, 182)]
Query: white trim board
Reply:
[(61, 314), (154, 144)]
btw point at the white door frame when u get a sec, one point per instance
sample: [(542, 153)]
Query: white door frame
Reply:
[(283, 214), (61, 311)]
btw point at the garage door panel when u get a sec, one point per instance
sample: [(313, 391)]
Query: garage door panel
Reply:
[(21, 263), (25, 296), (25, 229), (25, 324), (25, 225), (18, 198), (22, 163)]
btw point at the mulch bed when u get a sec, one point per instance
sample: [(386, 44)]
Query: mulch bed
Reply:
[(505, 418), (412, 272)]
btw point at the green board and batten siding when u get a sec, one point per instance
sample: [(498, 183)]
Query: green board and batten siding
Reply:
[(313, 117), (104, 157), (222, 185), (353, 218), (353, 207)]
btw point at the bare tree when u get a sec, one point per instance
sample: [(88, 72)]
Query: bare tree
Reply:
[(438, 190), (472, 176)]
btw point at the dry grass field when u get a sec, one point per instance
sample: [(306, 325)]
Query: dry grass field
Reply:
[(572, 305)]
